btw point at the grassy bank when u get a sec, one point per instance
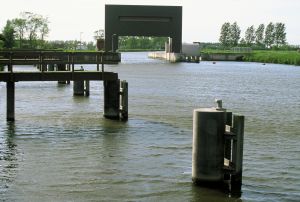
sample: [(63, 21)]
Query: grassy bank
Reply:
[(277, 57), (263, 56)]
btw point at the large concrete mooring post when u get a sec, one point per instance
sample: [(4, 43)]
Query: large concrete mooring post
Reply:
[(10, 95), (111, 99), (218, 138), (208, 146)]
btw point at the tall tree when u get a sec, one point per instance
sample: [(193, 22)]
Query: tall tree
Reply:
[(259, 35), (235, 33), (20, 28), (250, 35), (36, 25), (279, 34), (225, 34), (269, 35), (44, 28), (8, 35)]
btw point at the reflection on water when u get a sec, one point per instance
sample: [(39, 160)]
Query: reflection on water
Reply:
[(8, 159), (61, 148)]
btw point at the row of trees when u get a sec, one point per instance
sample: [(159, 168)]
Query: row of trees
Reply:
[(264, 36), (141, 42), (27, 31)]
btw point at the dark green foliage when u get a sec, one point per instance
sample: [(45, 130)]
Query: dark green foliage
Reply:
[(278, 57), (250, 35), (8, 35), (235, 33), (279, 34), (269, 35), (259, 35), (225, 35)]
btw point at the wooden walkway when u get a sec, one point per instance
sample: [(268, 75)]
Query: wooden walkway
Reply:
[(42, 59), (115, 92)]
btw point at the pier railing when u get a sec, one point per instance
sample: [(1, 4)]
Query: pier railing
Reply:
[(43, 58)]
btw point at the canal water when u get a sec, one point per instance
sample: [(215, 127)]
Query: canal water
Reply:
[(60, 148)]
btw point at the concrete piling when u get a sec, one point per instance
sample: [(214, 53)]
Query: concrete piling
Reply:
[(208, 146), (10, 96), (78, 87), (61, 67), (111, 99), (217, 156)]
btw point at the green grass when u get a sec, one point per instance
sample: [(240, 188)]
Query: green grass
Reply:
[(264, 56), (277, 57)]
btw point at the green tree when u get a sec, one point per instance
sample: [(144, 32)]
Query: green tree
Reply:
[(225, 34), (259, 35), (243, 42), (1, 41), (20, 28), (36, 28), (250, 35), (279, 34), (8, 35), (235, 33), (269, 35)]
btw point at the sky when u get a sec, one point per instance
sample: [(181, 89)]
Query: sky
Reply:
[(202, 19)]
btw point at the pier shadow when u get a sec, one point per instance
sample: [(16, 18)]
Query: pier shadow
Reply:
[(8, 156)]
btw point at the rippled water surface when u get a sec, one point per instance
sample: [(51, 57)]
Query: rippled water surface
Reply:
[(60, 148)]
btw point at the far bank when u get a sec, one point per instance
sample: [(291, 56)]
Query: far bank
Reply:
[(263, 56)]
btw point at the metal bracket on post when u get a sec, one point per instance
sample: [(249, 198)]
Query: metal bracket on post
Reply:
[(233, 153), (124, 100)]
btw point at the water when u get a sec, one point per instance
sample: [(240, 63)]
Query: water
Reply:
[(60, 148)]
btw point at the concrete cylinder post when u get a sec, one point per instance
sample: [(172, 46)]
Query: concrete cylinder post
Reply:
[(111, 99), (208, 146), (78, 87), (10, 96)]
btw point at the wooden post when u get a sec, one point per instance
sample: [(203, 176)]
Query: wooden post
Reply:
[(10, 96), (111, 99), (97, 61), (124, 100), (237, 153), (87, 88), (61, 67)]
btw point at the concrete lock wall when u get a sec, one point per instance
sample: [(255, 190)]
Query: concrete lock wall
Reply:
[(191, 49), (137, 20)]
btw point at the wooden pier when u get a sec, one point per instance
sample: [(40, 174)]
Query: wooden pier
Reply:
[(65, 61)]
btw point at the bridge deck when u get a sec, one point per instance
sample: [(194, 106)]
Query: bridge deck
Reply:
[(57, 57), (57, 76)]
